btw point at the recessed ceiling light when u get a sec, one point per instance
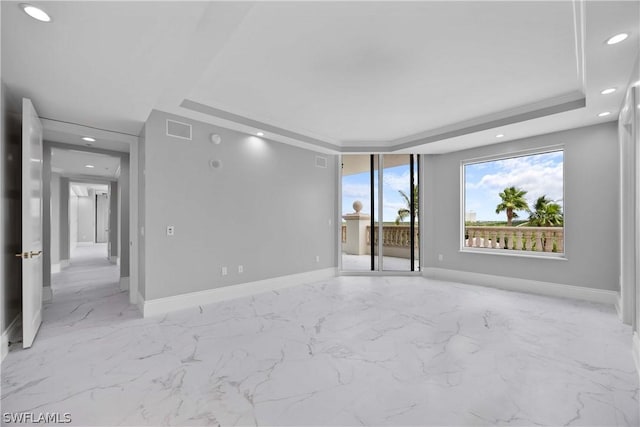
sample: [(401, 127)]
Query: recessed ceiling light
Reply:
[(260, 133), (88, 139), (89, 166), (617, 38), (604, 113), (608, 91), (500, 135), (35, 12)]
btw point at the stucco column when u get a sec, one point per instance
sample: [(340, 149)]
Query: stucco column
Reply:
[(357, 223)]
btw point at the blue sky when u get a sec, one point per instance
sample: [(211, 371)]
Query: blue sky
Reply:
[(540, 174), (356, 187)]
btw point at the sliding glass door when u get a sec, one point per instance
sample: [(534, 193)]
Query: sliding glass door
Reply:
[(380, 212)]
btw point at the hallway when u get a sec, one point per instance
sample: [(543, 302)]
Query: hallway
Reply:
[(89, 265), (86, 291)]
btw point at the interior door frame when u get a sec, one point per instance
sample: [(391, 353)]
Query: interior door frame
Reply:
[(128, 282)]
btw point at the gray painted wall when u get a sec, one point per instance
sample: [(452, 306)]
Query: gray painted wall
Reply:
[(268, 208), (87, 217), (141, 211), (592, 238), (10, 155), (46, 216), (73, 222), (123, 186), (113, 219), (55, 219), (65, 236)]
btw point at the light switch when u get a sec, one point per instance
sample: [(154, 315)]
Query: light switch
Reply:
[(170, 230), (224, 271)]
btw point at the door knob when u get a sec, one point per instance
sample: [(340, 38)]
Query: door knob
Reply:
[(35, 253), (23, 255)]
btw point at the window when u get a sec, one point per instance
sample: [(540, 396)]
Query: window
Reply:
[(514, 205)]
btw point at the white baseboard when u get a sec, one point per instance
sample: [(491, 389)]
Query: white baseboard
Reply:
[(619, 308), (124, 283), (47, 293), (56, 268), (523, 285), (159, 306), (10, 334), (140, 303), (636, 351)]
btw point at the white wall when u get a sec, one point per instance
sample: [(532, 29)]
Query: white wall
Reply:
[(268, 208), (87, 217), (591, 220)]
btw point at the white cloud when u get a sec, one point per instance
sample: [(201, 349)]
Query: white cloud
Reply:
[(397, 182), (395, 206), (538, 175), (356, 190)]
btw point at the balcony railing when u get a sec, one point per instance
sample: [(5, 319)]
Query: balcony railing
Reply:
[(398, 236), (537, 239), (396, 240)]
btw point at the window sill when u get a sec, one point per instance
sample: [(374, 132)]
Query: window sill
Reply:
[(513, 253)]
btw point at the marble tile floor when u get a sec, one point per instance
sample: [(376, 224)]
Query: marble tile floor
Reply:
[(363, 263), (88, 267), (346, 351)]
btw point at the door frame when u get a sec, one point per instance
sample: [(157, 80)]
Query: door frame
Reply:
[(379, 272), (126, 236)]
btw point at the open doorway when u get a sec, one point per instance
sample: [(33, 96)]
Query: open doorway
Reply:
[(84, 222), (89, 218)]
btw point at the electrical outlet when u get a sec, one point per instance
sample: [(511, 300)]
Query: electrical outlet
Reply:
[(224, 271), (170, 230), (240, 269), (440, 257), (317, 258)]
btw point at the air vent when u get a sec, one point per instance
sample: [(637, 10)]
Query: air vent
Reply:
[(321, 162), (178, 129)]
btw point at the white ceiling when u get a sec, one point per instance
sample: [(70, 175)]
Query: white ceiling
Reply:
[(82, 188), (425, 77), (73, 163), (383, 71)]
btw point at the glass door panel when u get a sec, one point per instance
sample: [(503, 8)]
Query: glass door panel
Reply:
[(380, 212), (357, 208), (399, 197)]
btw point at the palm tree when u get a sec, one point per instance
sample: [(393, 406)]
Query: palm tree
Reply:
[(405, 212), (512, 200), (547, 213)]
